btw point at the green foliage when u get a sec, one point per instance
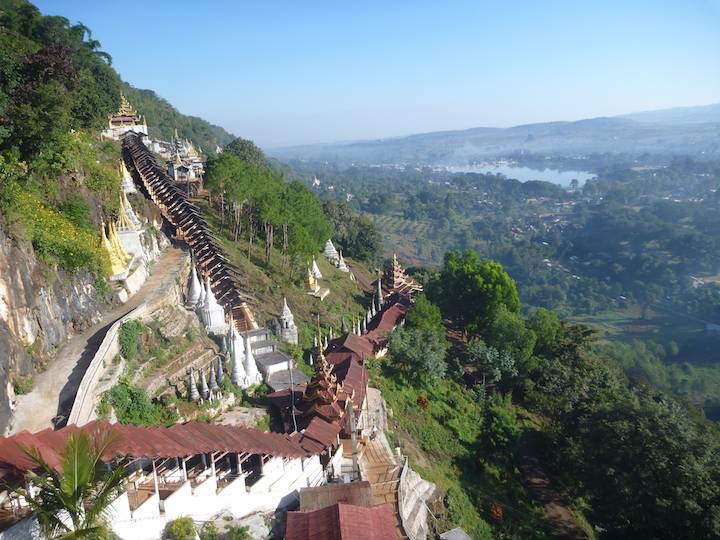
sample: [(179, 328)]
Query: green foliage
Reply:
[(471, 292), (133, 406), (72, 501), (182, 528), (54, 79), (490, 361), (424, 315), (129, 338), (237, 532), (500, 427), (507, 331), (420, 352), (263, 200), (77, 210), (209, 532), (247, 151), (547, 326), (263, 423), (353, 233), (23, 384), (665, 454), (55, 238)]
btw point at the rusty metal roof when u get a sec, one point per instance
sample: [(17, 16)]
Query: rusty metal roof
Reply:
[(179, 440)]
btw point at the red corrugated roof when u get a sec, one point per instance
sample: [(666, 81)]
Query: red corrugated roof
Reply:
[(342, 522), (179, 440), (318, 435)]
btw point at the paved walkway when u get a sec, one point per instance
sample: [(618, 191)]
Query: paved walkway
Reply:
[(379, 468), (54, 389)]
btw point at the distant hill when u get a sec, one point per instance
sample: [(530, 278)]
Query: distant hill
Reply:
[(680, 133), (679, 115)]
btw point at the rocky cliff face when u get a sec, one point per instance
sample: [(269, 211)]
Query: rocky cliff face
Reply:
[(39, 308)]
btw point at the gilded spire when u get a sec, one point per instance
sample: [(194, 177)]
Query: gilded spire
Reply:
[(117, 265), (123, 219)]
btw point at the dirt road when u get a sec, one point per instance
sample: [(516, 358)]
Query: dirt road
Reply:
[(538, 486)]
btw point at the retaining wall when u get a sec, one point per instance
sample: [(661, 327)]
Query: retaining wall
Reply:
[(83, 409), (412, 503)]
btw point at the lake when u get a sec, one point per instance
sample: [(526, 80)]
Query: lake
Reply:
[(561, 178)]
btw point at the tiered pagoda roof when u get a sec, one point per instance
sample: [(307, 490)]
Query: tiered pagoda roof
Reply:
[(322, 393), (125, 116), (397, 281)]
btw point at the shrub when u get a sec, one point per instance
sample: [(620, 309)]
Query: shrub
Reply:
[(77, 210), (55, 238), (133, 405), (129, 338), (182, 528), (236, 532), (209, 532), (23, 384)]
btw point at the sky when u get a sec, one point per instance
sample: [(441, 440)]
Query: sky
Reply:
[(296, 72)]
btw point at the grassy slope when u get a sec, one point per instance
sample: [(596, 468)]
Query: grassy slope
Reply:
[(441, 442), (268, 285)]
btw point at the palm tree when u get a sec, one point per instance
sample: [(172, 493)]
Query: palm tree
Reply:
[(73, 501)]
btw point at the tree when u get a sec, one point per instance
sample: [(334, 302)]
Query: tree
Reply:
[(490, 361), (507, 331), (500, 427), (72, 502), (420, 351), (546, 325), (247, 151), (424, 315), (470, 291), (647, 468), (182, 528)]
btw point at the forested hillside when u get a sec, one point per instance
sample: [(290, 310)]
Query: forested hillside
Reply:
[(56, 89)]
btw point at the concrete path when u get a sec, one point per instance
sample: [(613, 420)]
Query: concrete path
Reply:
[(54, 389)]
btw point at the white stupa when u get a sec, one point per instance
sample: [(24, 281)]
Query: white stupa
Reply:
[(237, 348), (212, 313), (194, 288), (330, 252), (315, 270), (287, 331), (341, 264), (250, 366), (128, 184)]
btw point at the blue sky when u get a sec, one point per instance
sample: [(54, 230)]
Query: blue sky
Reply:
[(291, 72)]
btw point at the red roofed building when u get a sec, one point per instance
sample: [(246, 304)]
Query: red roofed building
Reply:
[(192, 469), (343, 521)]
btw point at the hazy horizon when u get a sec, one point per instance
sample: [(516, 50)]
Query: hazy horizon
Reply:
[(291, 74)]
